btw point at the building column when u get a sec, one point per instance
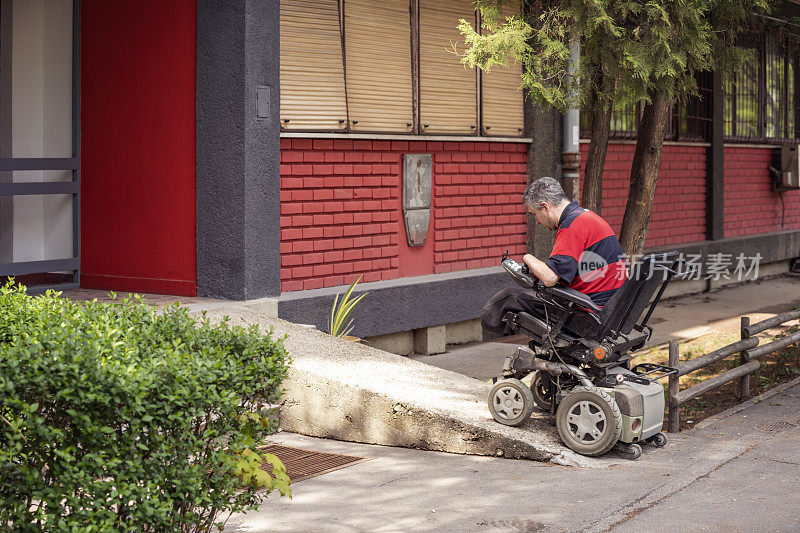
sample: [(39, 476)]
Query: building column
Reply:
[(544, 159), (238, 149)]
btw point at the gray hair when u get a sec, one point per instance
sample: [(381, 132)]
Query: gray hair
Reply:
[(544, 190)]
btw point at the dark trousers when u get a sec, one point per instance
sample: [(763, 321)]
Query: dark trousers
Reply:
[(513, 299)]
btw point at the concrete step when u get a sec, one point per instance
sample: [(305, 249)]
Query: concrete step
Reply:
[(347, 391)]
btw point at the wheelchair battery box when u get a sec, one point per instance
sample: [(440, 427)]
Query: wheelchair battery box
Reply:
[(641, 405)]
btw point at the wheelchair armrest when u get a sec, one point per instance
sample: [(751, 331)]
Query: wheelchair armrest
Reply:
[(571, 295)]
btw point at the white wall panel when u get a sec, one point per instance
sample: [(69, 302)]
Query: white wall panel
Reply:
[(41, 123)]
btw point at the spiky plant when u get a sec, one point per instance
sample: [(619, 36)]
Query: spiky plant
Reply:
[(340, 312)]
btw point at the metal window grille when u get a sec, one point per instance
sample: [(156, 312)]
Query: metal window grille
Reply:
[(760, 102), (775, 87), (779, 89), (692, 121), (689, 121), (742, 109), (624, 121)]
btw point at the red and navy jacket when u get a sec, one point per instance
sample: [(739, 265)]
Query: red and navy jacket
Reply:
[(587, 255)]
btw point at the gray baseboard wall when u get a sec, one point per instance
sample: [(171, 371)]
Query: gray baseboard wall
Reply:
[(401, 304)]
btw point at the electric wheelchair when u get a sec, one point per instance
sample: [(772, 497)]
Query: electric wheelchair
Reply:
[(579, 355)]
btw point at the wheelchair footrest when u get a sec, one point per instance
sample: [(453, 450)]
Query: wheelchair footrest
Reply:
[(653, 371)]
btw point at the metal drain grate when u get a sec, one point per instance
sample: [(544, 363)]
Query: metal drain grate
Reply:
[(303, 464), (776, 426)]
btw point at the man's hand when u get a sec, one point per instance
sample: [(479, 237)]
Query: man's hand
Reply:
[(540, 270)]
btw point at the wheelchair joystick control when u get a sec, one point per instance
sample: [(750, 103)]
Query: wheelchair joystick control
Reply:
[(520, 273)]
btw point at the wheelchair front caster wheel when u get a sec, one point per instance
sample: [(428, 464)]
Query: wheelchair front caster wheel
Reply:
[(510, 402), (541, 387), (631, 451), (658, 440)]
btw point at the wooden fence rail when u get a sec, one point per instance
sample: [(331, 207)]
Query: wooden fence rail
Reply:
[(748, 352)]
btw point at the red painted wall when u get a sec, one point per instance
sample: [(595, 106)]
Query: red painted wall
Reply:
[(138, 145), (341, 209), (751, 205), (679, 207)]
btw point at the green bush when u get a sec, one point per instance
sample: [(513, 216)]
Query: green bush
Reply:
[(120, 417)]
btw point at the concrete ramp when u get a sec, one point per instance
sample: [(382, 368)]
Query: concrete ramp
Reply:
[(347, 391)]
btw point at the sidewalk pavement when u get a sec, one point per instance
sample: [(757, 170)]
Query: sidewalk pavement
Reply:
[(740, 471)]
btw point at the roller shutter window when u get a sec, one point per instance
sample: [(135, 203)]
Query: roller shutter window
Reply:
[(312, 70), (501, 97), (378, 54), (448, 90)]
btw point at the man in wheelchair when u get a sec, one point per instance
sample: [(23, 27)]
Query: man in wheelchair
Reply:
[(580, 311), (586, 256)]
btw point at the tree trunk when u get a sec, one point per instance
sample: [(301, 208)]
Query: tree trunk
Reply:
[(591, 196), (644, 174)]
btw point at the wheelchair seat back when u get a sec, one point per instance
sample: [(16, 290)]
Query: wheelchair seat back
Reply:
[(623, 310)]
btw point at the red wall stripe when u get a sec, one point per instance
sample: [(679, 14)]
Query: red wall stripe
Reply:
[(341, 215), (138, 72), (679, 206), (751, 204), (479, 210)]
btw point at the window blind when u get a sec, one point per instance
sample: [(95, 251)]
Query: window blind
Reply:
[(312, 71), (501, 98), (448, 89), (378, 52)]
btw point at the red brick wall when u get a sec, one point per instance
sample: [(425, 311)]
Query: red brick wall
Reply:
[(478, 204), (679, 207), (751, 206), (341, 214)]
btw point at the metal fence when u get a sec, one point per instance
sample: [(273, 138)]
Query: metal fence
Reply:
[(747, 351)]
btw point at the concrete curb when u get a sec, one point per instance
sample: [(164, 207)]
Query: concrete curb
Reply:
[(347, 391)]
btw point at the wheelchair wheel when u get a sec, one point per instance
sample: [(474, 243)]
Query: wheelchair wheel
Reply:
[(589, 421), (510, 402), (658, 440), (541, 387)]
